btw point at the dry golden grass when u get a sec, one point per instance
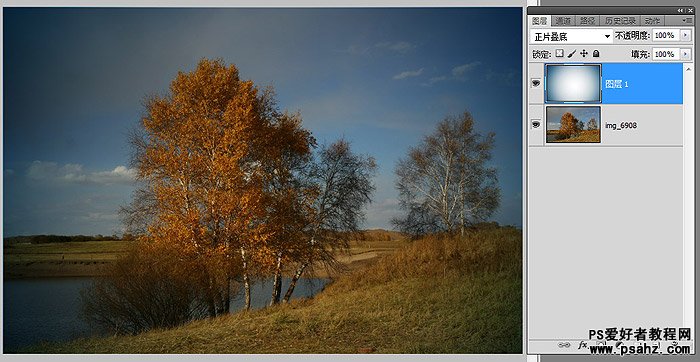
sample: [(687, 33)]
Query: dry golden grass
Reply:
[(436, 295), (86, 258), (587, 136), (104, 248)]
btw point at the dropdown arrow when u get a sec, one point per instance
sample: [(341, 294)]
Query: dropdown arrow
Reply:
[(607, 35)]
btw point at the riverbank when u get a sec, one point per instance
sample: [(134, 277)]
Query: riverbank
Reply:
[(435, 295), (89, 258), (70, 259)]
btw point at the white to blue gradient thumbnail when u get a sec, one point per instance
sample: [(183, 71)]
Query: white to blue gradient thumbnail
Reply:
[(573, 83)]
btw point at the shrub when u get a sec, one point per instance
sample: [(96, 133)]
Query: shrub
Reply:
[(155, 286)]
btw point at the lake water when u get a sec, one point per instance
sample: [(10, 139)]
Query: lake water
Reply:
[(48, 309)]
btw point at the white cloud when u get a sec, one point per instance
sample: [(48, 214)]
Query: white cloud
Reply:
[(355, 50), (434, 80), (379, 214), (408, 74), (402, 47), (120, 174), (458, 73), (39, 170), (99, 216), (399, 47), (460, 70), (507, 77), (74, 173)]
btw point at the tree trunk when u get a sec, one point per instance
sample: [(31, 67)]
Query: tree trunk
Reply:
[(246, 280), (227, 301), (277, 283), (246, 287), (211, 307), (211, 299), (293, 283), (461, 207)]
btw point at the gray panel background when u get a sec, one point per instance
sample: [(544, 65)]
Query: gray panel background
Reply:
[(560, 358), (616, 2)]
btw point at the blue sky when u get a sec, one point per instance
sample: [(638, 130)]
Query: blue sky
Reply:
[(382, 78)]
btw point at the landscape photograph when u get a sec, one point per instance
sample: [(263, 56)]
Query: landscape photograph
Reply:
[(573, 124), (265, 180)]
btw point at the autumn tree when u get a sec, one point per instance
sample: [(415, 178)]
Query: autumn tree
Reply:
[(569, 125), (445, 183), (592, 124), (289, 198), (204, 155), (291, 214), (231, 181)]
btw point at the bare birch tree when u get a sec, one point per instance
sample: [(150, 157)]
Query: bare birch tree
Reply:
[(343, 184), (445, 183), (592, 124)]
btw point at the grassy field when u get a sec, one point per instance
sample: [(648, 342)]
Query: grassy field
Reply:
[(435, 295), (587, 136), (72, 259), (25, 260)]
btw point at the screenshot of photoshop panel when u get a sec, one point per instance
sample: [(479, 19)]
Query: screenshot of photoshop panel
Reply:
[(610, 223), (479, 181)]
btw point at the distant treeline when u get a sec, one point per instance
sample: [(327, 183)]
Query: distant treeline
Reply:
[(379, 235), (43, 239)]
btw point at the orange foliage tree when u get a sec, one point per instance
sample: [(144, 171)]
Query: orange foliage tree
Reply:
[(569, 125), (205, 154), (229, 180)]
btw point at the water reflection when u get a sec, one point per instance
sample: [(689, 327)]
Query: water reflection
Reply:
[(48, 309)]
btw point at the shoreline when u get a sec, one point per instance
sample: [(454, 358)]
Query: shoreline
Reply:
[(40, 270), (92, 269)]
